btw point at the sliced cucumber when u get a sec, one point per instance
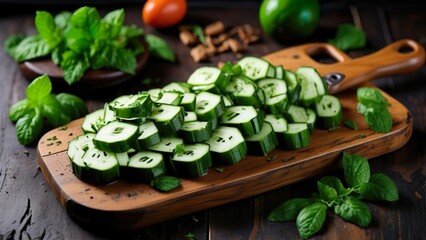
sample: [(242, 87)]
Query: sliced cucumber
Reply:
[(208, 105), (313, 87), (274, 94), (227, 145), (263, 142), (256, 68), (167, 118), (95, 120), (194, 161), (101, 167), (297, 136), (188, 101), (244, 91), (132, 106), (329, 111), (80, 145), (179, 87), (227, 101), (206, 88), (196, 131), (293, 86), (296, 114), (279, 124), (246, 118), (116, 137), (190, 116), (167, 145), (170, 98), (312, 119), (148, 135), (207, 75), (123, 162), (279, 72), (145, 166)]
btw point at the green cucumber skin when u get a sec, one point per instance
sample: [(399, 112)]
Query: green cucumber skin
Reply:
[(117, 147), (198, 135), (231, 157), (216, 113), (98, 177), (329, 122), (149, 141), (171, 127), (138, 111), (192, 169), (263, 146), (248, 128), (146, 175), (297, 141)]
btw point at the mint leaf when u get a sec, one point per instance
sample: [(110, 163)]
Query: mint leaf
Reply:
[(288, 210), (354, 210), (326, 192), (166, 183), (31, 47), (115, 19), (371, 97), (160, 48), (310, 219), (39, 89), (52, 110), (378, 119), (29, 127), (351, 124), (18, 110), (11, 43), (355, 169), (379, 188), (86, 18), (124, 60), (199, 32), (348, 37), (47, 29), (335, 183), (72, 105), (61, 20), (73, 67)]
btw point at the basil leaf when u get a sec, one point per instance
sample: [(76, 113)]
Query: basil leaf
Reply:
[(199, 32), (354, 210), (47, 29), (288, 210), (380, 187), (31, 47), (165, 183), (355, 169), (29, 127), (39, 89), (11, 43), (378, 119), (87, 18), (310, 219), (115, 19), (348, 37), (72, 105), (326, 192), (129, 32), (160, 48), (73, 67), (371, 97), (124, 60), (78, 40), (62, 19), (53, 111), (335, 183), (18, 110), (351, 124)]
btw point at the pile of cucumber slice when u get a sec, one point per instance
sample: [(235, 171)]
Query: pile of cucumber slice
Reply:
[(217, 117)]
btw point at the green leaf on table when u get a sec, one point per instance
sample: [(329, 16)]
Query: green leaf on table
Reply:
[(18, 110), (160, 48), (52, 110), (166, 183), (354, 210), (310, 219), (72, 105), (378, 119), (289, 210), (351, 124), (335, 183), (327, 192), (29, 127), (348, 37), (371, 97), (355, 169), (379, 188)]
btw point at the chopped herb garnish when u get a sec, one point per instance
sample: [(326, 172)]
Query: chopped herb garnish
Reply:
[(351, 124), (271, 158), (218, 169), (165, 183)]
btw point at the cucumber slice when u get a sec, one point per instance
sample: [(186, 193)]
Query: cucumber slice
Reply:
[(131, 106), (297, 136), (279, 72), (148, 135), (329, 111), (95, 120), (206, 88), (293, 86), (179, 87), (190, 116), (246, 118), (279, 125), (312, 119), (274, 94), (227, 101), (167, 145), (188, 101), (207, 75), (102, 167), (296, 114), (244, 91), (170, 98), (227, 145), (194, 161), (123, 162), (208, 106), (145, 166), (256, 68), (167, 118), (77, 147), (263, 142), (313, 87), (196, 131), (116, 137)]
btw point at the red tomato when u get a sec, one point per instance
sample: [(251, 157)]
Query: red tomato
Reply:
[(163, 13)]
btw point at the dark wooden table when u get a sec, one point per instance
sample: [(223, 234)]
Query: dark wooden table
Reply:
[(29, 209)]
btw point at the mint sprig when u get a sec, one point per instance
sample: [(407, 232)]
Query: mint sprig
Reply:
[(345, 201), (373, 106), (29, 113)]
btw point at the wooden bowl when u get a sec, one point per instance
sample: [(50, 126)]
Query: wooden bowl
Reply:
[(99, 78)]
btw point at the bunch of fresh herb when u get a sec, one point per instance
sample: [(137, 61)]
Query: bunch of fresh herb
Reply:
[(83, 40), (40, 104), (310, 213), (373, 106)]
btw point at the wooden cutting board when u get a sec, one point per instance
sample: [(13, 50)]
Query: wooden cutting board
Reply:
[(127, 205)]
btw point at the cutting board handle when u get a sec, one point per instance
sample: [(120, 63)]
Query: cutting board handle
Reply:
[(400, 57)]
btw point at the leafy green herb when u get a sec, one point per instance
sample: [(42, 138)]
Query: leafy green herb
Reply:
[(41, 104), (346, 201), (218, 169), (82, 40), (189, 236), (166, 183), (373, 106), (351, 124), (199, 32), (179, 149), (159, 48), (348, 37)]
